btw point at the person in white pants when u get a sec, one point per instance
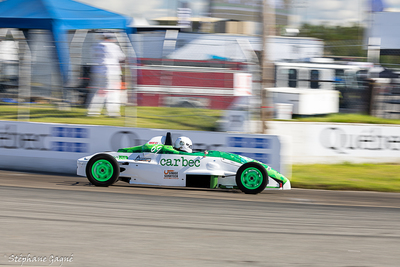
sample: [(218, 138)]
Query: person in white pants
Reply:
[(106, 77)]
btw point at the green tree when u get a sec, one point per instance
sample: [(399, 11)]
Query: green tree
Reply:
[(339, 41)]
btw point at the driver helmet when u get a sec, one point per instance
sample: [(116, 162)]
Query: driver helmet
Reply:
[(183, 143)]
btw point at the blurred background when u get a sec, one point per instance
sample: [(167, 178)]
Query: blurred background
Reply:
[(237, 66), (204, 58)]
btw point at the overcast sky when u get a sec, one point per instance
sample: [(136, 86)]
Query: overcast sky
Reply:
[(311, 11)]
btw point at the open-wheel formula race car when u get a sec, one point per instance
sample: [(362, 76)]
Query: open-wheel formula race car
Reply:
[(158, 162)]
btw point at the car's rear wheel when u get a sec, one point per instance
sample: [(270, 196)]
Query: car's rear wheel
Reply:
[(102, 170), (252, 178)]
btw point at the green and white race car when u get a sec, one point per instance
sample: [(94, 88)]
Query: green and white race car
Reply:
[(158, 162)]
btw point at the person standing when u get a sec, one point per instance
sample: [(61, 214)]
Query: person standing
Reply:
[(106, 77)]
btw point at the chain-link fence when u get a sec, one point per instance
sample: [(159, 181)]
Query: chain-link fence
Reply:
[(161, 70), (171, 69)]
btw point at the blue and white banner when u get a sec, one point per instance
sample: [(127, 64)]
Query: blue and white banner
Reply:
[(56, 147)]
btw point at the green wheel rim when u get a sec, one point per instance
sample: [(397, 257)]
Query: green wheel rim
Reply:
[(102, 170), (251, 178)]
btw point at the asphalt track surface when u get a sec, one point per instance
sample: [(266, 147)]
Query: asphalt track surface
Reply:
[(52, 216)]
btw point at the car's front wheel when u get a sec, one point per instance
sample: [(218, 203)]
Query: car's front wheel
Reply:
[(102, 170), (252, 178)]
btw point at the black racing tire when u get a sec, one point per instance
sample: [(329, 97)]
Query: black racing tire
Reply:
[(252, 178), (102, 170)]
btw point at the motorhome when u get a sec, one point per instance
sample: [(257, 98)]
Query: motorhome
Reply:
[(321, 74), (321, 86)]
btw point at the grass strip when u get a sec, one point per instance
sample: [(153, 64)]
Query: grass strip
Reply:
[(348, 118), (142, 117), (347, 176)]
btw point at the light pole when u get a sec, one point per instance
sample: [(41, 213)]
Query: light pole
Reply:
[(267, 68)]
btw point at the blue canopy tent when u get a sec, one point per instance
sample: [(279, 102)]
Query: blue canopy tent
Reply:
[(58, 16)]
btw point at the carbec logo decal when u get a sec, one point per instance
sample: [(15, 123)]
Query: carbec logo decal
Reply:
[(180, 162), (341, 142), (170, 174), (61, 139)]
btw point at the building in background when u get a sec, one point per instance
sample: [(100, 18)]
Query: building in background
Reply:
[(203, 67), (245, 16), (246, 10), (230, 16), (381, 37)]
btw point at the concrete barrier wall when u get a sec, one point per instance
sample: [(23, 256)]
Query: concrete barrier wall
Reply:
[(56, 147), (339, 142)]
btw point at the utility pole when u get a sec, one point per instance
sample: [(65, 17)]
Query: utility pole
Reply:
[(267, 67)]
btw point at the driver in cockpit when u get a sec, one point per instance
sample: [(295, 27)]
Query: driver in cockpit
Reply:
[(184, 144)]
